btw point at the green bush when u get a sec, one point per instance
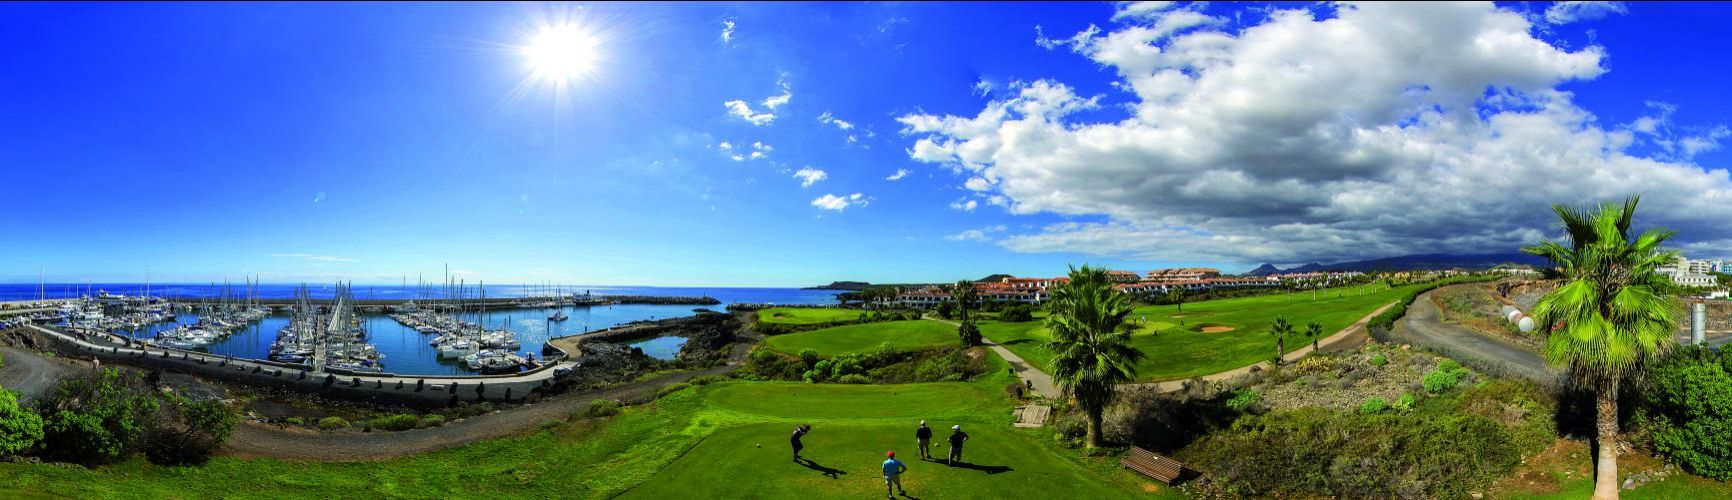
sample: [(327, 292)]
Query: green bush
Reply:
[(1689, 409), (602, 408), (295, 421), (671, 388), (1438, 381), (853, 378), (433, 420), (969, 334), (1404, 403), (20, 429), (397, 422), (1449, 365), (1243, 399), (187, 431), (333, 423), (1373, 405), (1379, 360), (1017, 313), (946, 310), (809, 356), (949, 366), (96, 418)]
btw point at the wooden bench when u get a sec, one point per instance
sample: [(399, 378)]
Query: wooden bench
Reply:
[(1147, 462)]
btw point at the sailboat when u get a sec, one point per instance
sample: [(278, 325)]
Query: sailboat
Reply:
[(558, 316)]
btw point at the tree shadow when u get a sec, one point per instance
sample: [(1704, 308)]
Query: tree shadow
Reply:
[(832, 472), (989, 469), (1017, 341)]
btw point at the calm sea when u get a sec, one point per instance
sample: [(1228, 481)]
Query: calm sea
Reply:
[(407, 351)]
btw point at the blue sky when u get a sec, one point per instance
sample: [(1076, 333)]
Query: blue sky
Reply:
[(313, 142)]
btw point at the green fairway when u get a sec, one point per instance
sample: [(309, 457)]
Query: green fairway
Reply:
[(806, 315), (801, 400), (1177, 346), (916, 334)]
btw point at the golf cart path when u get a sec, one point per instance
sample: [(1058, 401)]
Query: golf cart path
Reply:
[(1043, 382)]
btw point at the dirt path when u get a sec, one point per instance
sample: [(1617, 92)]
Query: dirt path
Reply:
[(31, 374), (1423, 324)]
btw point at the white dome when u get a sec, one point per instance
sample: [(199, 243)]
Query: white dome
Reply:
[(1526, 325), (1513, 316)]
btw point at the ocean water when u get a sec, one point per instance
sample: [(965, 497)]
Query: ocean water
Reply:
[(407, 351), (728, 295)]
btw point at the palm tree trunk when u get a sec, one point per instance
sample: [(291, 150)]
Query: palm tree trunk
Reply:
[(1606, 422), (1094, 427)]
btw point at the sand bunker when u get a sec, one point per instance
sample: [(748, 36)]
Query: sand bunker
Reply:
[(1217, 329)]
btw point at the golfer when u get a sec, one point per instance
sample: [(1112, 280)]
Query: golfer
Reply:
[(893, 470), (795, 440), (957, 437), (923, 441)]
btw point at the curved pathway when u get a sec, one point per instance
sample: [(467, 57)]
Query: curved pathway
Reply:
[(1423, 324), (31, 374)]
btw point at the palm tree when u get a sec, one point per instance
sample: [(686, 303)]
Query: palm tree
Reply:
[(1176, 295), (964, 294), (1315, 331), (1611, 317), (1281, 329), (1091, 347)]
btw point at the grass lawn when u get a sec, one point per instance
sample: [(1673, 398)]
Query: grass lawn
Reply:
[(916, 334), (689, 444), (1177, 346), (806, 315)]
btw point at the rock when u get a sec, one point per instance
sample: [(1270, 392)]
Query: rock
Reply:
[(1476, 495), (1630, 484)]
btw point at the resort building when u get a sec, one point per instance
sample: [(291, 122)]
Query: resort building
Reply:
[(1123, 276), (1184, 274)]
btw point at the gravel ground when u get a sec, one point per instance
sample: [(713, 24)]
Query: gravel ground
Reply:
[(31, 374)]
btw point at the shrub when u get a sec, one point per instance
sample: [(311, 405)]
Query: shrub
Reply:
[(670, 389), (1373, 405), (809, 356), (1017, 313), (1379, 360), (20, 429), (602, 408), (968, 334), (96, 418), (1346, 454), (1243, 399), (1689, 410), (1439, 380), (397, 422), (1449, 365), (333, 423), (707, 379), (188, 432), (433, 420), (1403, 403), (853, 378), (949, 366), (946, 310), (295, 421)]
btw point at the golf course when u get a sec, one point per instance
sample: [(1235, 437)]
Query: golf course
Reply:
[(700, 441), (806, 315), (1200, 338)]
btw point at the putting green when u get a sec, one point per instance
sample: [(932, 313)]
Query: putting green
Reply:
[(906, 335), (806, 315)]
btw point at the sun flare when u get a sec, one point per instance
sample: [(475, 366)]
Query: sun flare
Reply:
[(561, 53)]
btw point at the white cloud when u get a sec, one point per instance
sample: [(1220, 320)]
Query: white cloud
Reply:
[(312, 258), (982, 88), (1570, 12), (830, 119), (809, 176), (900, 173), (778, 100), (1139, 10), (740, 109), (839, 203), (965, 205), (727, 31), (725, 146), (1363, 134), (981, 234), (977, 184)]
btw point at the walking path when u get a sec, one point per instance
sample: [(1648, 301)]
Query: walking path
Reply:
[(1044, 385), (1423, 325), (33, 375)]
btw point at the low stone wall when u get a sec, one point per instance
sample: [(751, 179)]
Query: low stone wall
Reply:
[(384, 389)]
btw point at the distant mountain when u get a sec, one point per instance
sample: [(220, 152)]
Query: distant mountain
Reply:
[(842, 285), (993, 278), (1422, 262)]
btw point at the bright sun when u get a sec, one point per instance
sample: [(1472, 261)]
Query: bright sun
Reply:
[(560, 53)]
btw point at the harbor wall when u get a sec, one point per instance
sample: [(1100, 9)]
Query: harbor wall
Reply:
[(384, 389)]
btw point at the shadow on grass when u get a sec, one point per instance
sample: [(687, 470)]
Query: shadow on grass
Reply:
[(989, 469), (833, 473), (1019, 341)]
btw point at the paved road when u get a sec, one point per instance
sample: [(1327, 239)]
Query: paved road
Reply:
[(1042, 382), (31, 374), (1424, 325)]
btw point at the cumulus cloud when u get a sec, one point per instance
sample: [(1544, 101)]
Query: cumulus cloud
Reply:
[(900, 173), (809, 176), (965, 204), (830, 119), (1570, 12), (839, 203), (1388, 128)]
